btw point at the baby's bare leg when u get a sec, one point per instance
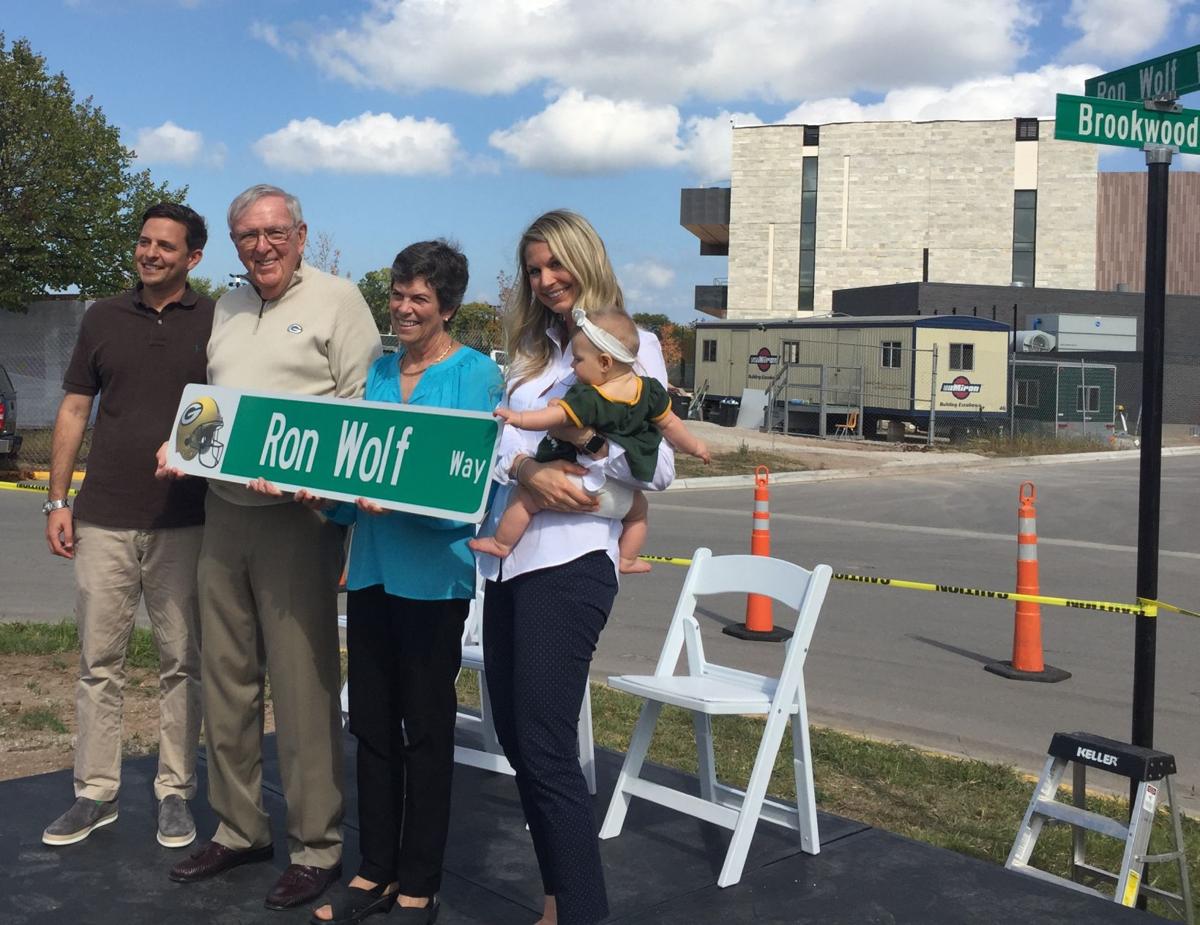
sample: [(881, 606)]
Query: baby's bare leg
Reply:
[(513, 524), (634, 529)]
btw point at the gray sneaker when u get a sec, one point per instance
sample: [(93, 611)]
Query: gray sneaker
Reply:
[(175, 826), (77, 823)]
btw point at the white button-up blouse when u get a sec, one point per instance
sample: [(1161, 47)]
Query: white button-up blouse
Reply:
[(555, 538)]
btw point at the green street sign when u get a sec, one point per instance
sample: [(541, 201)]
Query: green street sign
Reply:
[(1129, 125), (433, 461), (1168, 76)]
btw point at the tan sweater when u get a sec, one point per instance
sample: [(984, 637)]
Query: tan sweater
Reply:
[(318, 338)]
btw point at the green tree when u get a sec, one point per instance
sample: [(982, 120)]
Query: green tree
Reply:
[(205, 286), (477, 325), (374, 287), (652, 322), (69, 203)]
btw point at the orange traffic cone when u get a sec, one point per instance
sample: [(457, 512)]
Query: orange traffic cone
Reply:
[(759, 622), (1027, 663)]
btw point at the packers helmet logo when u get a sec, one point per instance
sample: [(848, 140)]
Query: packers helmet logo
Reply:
[(197, 436)]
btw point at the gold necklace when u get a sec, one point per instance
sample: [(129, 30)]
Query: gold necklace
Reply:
[(441, 356)]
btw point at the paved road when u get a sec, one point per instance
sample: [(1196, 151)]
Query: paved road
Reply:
[(908, 664), (901, 664)]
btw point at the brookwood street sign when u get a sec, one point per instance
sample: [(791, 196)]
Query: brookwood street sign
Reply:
[(1129, 125), (433, 461), (1167, 76)]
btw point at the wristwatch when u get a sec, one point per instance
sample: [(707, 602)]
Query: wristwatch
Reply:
[(50, 506), (593, 444)]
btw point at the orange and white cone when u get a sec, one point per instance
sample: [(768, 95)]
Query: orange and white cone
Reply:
[(1027, 663), (759, 621)]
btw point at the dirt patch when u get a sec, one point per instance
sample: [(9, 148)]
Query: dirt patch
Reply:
[(37, 713)]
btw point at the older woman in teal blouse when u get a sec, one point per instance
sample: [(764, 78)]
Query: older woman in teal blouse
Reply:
[(410, 582)]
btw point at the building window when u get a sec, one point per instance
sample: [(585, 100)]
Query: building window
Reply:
[(808, 232), (791, 351), (1027, 393), (710, 351), (812, 134), (962, 356), (1024, 236), (1087, 398), (889, 357), (1027, 130)]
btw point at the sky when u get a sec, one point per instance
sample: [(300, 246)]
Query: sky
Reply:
[(396, 121)]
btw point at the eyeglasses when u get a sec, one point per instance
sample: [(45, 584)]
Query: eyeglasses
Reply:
[(247, 240)]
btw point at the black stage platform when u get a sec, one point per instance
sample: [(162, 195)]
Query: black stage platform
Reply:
[(662, 869)]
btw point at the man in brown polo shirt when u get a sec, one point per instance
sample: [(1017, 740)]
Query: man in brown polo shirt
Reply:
[(131, 535)]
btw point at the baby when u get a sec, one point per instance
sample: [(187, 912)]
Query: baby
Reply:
[(610, 398)]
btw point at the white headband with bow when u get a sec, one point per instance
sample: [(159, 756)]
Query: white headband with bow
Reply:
[(605, 342)]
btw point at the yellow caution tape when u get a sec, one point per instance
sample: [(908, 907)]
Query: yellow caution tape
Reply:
[(1144, 607), (1165, 606), (18, 486), (1144, 610), (668, 560)]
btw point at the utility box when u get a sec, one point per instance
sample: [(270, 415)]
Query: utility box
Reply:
[(1088, 333)]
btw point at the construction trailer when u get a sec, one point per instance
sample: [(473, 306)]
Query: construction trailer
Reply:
[(943, 372), (1066, 399)]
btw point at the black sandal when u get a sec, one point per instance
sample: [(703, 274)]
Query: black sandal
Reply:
[(352, 904), (419, 915)]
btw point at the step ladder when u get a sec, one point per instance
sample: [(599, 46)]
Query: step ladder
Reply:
[(1145, 766)]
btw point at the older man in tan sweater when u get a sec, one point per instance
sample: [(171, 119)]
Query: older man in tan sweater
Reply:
[(269, 567)]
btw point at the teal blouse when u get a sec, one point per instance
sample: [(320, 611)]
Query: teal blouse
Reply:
[(422, 558)]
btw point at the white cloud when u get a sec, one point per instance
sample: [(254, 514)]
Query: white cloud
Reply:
[(709, 143), (586, 135), (673, 49), (265, 32), (578, 134), (647, 285), (1001, 97), (648, 274), (171, 144), (368, 143), (1114, 29)]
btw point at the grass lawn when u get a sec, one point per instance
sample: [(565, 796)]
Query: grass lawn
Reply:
[(972, 807), (740, 462)]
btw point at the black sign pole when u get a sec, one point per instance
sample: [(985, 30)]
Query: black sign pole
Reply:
[(1158, 162)]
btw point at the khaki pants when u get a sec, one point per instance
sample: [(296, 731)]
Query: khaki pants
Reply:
[(113, 569), (268, 604)]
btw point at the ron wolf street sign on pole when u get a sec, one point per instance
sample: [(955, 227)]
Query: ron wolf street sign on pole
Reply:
[(1130, 125), (432, 461), (1167, 77)]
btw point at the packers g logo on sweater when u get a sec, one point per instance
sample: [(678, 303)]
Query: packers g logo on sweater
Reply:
[(197, 437)]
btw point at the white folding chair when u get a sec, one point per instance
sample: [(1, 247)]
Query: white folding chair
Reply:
[(707, 689), (490, 757)]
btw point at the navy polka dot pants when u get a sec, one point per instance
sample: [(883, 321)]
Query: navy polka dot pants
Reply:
[(539, 632)]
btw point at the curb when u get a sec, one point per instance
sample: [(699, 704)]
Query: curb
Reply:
[(919, 465)]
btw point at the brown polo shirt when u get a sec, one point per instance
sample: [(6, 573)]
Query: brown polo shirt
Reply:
[(138, 361)]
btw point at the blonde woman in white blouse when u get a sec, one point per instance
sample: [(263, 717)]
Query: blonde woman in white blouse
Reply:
[(548, 601)]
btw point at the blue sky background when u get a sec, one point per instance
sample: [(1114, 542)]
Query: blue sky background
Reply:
[(397, 121)]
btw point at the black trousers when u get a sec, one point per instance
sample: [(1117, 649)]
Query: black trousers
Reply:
[(404, 656), (539, 632)]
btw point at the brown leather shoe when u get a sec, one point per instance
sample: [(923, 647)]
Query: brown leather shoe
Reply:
[(300, 884), (214, 858)]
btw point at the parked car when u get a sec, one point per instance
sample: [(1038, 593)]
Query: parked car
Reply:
[(10, 440)]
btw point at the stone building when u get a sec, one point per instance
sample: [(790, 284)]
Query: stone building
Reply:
[(812, 209)]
